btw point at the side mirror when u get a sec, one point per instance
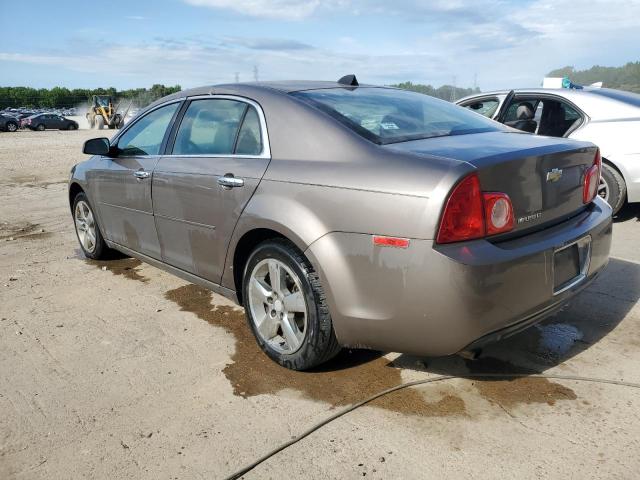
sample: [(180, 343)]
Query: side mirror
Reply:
[(96, 146)]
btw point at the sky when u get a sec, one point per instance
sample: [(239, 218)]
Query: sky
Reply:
[(489, 43)]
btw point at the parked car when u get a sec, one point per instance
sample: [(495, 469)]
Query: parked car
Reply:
[(609, 118), (48, 121), (8, 123), (347, 215)]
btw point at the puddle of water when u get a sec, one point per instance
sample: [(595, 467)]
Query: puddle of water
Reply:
[(127, 267), (348, 378), (557, 338), (32, 181), (18, 230), (509, 392)]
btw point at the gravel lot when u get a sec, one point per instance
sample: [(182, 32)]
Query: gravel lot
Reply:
[(119, 370)]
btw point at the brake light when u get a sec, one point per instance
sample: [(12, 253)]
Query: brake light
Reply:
[(463, 217), (592, 179), (470, 213)]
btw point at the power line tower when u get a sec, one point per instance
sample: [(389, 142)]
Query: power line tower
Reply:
[(453, 90), (255, 73), (237, 77)]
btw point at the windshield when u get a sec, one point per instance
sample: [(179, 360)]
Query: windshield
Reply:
[(386, 115)]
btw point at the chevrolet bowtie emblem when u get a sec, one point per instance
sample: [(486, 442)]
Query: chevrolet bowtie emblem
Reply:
[(554, 175)]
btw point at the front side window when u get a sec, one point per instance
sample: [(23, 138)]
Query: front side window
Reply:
[(146, 135), (486, 107), (385, 115), (210, 127)]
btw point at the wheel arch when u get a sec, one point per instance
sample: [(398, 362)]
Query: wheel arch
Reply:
[(74, 190), (243, 248), (614, 166)]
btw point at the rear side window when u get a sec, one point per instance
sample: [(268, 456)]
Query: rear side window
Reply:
[(250, 138), (146, 135), (385, 115), (209, 127)]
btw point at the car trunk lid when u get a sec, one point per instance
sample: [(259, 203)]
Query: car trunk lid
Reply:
[(543, 176)]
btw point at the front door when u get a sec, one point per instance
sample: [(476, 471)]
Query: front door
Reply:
[(201, 186), (123, 185)]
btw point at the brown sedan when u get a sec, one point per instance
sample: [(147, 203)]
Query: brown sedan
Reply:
[(347, 215)]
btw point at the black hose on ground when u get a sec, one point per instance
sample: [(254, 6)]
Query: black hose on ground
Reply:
[(339, 414)]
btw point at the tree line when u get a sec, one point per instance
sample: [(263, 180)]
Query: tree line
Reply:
[(62, 97), (445, 92), (626, 77)]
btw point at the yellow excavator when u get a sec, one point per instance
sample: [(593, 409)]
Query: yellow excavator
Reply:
[(102, 113)]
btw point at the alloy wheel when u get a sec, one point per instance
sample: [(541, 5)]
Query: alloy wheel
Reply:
[(278, 307), (603, 190), (85, 226)]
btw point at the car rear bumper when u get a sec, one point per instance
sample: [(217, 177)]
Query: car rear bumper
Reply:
[(438, 300)]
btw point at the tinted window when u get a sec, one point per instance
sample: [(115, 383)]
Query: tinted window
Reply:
[(146, 135), (486, 107), (209, 127), (385, 115), (249, 138)]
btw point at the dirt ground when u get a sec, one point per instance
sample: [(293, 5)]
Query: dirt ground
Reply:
[(119, 370)]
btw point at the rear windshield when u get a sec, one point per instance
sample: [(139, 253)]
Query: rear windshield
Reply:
[(386, 115)]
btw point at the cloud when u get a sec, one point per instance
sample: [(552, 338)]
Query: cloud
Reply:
[(267, 43), (135, 17), (280, 9)]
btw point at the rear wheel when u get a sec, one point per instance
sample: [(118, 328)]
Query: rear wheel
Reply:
[(612, 188), (12, 127), (286, 307), (89, 235), (40, 127)]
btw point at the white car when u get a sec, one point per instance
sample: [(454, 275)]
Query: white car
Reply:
[(609, 118)]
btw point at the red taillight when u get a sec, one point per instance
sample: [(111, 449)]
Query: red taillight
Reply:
[(463, 217), (592, 179), (498, 212), (470, 213)]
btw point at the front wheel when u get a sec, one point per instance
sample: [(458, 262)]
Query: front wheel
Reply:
[(286, 307), (40, 128), (612, 188), (89, 235), (12, 127)]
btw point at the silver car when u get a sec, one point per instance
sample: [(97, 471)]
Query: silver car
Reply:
[(609, 118), (347, 215)]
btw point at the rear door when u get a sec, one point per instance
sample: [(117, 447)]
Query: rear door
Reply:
[(216, 158), (121, 185)]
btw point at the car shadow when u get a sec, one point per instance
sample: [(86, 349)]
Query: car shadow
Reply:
[(630, 211), (591, 316)]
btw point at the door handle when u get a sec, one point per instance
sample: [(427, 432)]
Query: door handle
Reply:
[(141, 174), (230, 182)]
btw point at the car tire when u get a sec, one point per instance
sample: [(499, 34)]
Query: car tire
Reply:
[(612, 187), (40, 127), (85, 225), (72, 127), (12, 127), (296, 339)]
